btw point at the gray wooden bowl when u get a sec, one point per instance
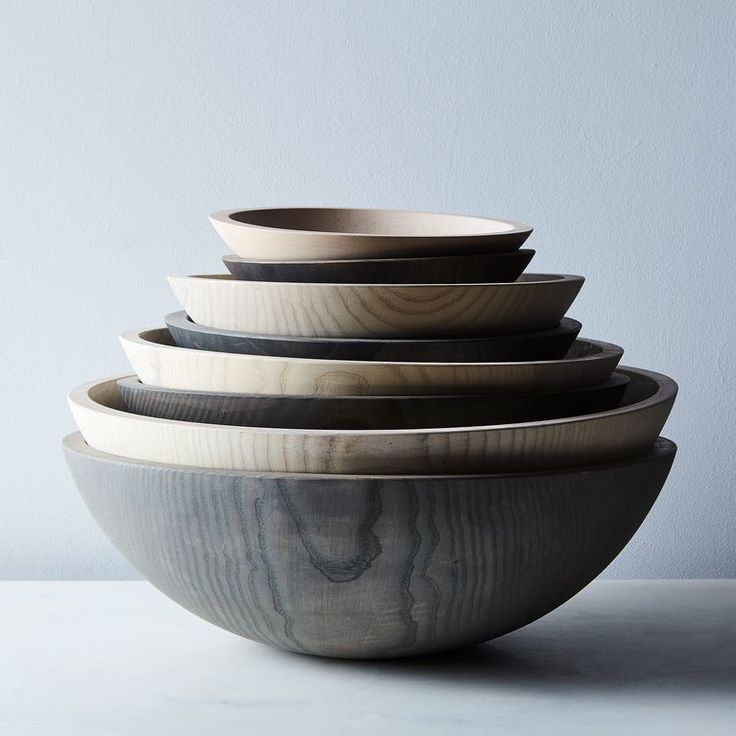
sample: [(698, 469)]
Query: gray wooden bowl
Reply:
[(366, 567), (330, 233), (550, 344), (367, 412), (481, 267)]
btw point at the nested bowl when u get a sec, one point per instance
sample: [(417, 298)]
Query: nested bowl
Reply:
[(366, 412), (550, 344), (473, 268), (595, 437), (534, 302), (158, 361), (361, 566), (320, 233)]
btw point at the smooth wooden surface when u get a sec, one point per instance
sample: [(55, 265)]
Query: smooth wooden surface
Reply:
[(622, 432), (367, 412), (545, 345), (621, 658), (478, 268), (534, 302), (301, 233), (368, 567), (159, 362)]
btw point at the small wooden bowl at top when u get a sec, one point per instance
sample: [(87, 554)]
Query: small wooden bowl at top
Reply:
[(158, 361), (475, 268), (320, 233), (534, 302), (368, 566), (526, 346), (367, 412), (630, 429)]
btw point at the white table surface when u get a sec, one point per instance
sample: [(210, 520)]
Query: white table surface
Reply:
[(644, 657)]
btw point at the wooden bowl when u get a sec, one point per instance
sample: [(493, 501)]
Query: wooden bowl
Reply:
[(159, 362), (630, 429), (545, 345), (356, 566), (477, 268), (534, 302), (366, 412), (318, 233)]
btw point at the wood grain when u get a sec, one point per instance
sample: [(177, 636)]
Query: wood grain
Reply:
[(476, 268), (367, 412), (526, 346), (622, 432), (534, 302), (368, 567), (159, 362), (301, 233)]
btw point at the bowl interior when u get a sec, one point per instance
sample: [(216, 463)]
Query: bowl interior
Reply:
[(370, 222)]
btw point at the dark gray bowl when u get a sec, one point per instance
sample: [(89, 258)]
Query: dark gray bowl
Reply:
[(479, 268), (546, 345), (360, 566), (367, 412)]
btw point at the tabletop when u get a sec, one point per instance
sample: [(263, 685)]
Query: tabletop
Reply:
[(118, 658)]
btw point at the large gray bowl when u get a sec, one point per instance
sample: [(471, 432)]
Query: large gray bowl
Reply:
[(360, 566)]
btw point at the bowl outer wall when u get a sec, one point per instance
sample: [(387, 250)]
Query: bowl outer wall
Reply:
[(367, 567)]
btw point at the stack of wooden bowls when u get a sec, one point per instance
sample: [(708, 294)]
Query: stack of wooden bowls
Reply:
[(376, 436)]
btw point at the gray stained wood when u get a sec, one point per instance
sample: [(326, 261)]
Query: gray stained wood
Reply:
[(478, 268), (367, 412), (368, 567), (550, 344)]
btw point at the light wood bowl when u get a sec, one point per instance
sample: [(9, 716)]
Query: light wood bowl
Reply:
[(318, 233), (367, 412), (346, 566), (545, 345), (477, 268), (591, 438), (159, 362), (534, 302)]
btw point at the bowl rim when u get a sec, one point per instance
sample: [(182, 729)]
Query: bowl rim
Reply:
[(75, 442), (666, 389), (514, 254), (181, 320), (226, 217), (606, 350), (548, 279)]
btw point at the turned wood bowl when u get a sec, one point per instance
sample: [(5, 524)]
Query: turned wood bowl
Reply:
[(474, 268), (630, 429), (534, 302), (319, 233), (550, 344), (367, 412), (368, 567), (158, 361)]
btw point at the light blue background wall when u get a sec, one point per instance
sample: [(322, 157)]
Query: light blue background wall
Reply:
[(607, 125)]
